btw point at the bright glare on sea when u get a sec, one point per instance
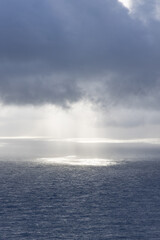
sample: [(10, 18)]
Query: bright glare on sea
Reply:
[(79, 189)]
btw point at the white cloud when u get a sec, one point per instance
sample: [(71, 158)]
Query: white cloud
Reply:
[(127, 3), (157, 10), (144, 10)]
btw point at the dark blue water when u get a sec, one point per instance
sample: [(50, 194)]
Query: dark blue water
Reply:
[(49, 201)]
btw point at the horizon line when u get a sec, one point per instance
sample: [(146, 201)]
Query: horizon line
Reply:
[(152, 140)]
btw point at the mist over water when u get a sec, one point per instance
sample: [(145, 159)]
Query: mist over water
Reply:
[(65, 189)]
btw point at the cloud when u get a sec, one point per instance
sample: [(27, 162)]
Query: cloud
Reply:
[(143, 10), (60, 52)]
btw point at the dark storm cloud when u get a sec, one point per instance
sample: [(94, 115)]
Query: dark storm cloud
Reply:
[(58, 51)]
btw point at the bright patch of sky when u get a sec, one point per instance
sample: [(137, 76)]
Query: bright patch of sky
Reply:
[(82, 120)]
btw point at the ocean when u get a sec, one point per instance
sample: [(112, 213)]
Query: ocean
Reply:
[(78, 189)]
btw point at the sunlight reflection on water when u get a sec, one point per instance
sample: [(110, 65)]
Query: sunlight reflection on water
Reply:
[(73, 160)]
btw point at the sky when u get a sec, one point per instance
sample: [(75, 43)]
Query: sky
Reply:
[(80, 68)]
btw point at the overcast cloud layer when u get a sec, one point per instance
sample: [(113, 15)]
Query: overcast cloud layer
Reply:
[(62, 51)]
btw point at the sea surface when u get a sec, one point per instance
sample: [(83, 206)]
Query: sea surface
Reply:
[(77, 189)]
